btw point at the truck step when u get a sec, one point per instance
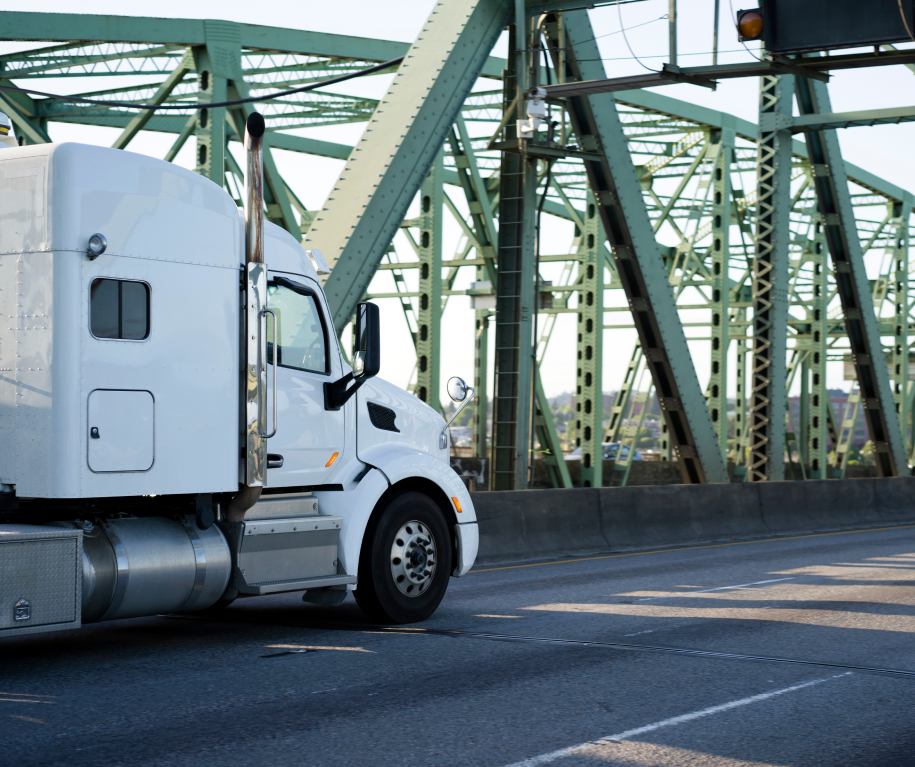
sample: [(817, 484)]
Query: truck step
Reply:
[(320, 582)]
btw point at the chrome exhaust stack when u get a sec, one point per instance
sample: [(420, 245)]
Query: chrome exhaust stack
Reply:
[(255, 346), (254, 188)]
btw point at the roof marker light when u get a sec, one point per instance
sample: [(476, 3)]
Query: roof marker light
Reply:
[(97, 246)]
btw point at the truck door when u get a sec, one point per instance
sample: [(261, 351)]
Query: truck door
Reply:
[(307, 436)]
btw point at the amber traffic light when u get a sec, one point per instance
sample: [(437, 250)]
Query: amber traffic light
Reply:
[(749, 25)]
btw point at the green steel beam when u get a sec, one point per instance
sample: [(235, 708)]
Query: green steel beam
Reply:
[(745, 129), (853, 286), (899, 253), (589, 389), (138, 122), (722, 151), (429, 334), (278, 140), (19, 109), (853, 119), (212, 86), (738, 453), (75, 27), (387, 166), (817, 448), (70, 27), (770, 282), (640, 268), (182, 138)]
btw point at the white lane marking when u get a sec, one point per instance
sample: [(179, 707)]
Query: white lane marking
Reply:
[(572, 750), (719, 588)]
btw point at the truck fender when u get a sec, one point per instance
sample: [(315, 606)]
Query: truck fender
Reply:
[(402, 462), (395, 464)]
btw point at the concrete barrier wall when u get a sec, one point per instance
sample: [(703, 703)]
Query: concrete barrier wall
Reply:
[(538, 524), (641, 473)]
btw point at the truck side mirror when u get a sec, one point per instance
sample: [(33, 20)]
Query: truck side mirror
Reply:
[(366, 341), (366, 358)]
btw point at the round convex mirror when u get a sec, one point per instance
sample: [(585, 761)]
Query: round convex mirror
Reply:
[(457, 389)]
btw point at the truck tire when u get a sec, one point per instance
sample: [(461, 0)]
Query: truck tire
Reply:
[(405, 561)]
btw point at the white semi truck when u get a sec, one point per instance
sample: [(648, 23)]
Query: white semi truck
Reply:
[(178, 424)]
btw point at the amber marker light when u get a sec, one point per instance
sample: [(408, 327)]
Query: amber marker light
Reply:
[(457, 504), (331, 461), (749, 25)]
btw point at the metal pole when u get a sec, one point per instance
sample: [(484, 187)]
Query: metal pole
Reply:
[(672, 28), (715, 36)]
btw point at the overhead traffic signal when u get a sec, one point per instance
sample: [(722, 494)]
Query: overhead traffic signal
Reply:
[(798, 26)]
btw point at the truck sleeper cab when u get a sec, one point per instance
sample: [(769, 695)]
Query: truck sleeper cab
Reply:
[(126, 411)]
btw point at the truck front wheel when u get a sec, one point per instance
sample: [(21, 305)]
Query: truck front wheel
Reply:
[(405, 561)]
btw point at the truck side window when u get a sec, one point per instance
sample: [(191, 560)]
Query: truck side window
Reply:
[(119, 309), (301, 335)]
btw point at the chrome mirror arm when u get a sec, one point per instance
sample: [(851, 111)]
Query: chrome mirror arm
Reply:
[(443, 437)]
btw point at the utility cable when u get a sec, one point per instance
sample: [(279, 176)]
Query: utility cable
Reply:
[(680, 54), (212, 104), (619, 12), (609, 34)]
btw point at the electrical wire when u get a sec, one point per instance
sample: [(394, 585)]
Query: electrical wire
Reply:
[(212, 104), (662, 55), (619, 13), (609, 34)]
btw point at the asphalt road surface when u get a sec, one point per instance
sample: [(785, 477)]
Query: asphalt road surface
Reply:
[(635, 660)]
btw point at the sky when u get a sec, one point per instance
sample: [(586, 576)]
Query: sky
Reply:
[(883, 150)]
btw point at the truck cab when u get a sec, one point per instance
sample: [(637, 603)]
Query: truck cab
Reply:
[(181, 427)]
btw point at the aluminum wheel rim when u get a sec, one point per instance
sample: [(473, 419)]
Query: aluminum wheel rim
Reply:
[(413, 559)]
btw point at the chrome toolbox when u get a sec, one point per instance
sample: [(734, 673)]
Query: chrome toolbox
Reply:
[(41, 578)]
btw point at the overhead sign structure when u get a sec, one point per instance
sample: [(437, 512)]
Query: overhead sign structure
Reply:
[(789, 26)]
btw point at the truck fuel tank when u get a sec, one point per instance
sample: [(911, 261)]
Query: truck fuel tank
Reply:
[(152, 565)]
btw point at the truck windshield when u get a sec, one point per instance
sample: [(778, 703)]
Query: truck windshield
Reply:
[(300, 334)]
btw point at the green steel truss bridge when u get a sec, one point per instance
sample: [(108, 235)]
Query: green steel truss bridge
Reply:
[(691, 225)]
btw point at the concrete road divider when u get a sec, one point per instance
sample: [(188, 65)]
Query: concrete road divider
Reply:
[(538, 524)]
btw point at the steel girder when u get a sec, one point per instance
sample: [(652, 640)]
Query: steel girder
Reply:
[(429, 320), (589, 378), (853, 285), (722, 157), (515, 295), (388, 165), (638, 262), (770, 281)]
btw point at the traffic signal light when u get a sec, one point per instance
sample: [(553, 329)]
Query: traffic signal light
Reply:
[(797, 26)]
